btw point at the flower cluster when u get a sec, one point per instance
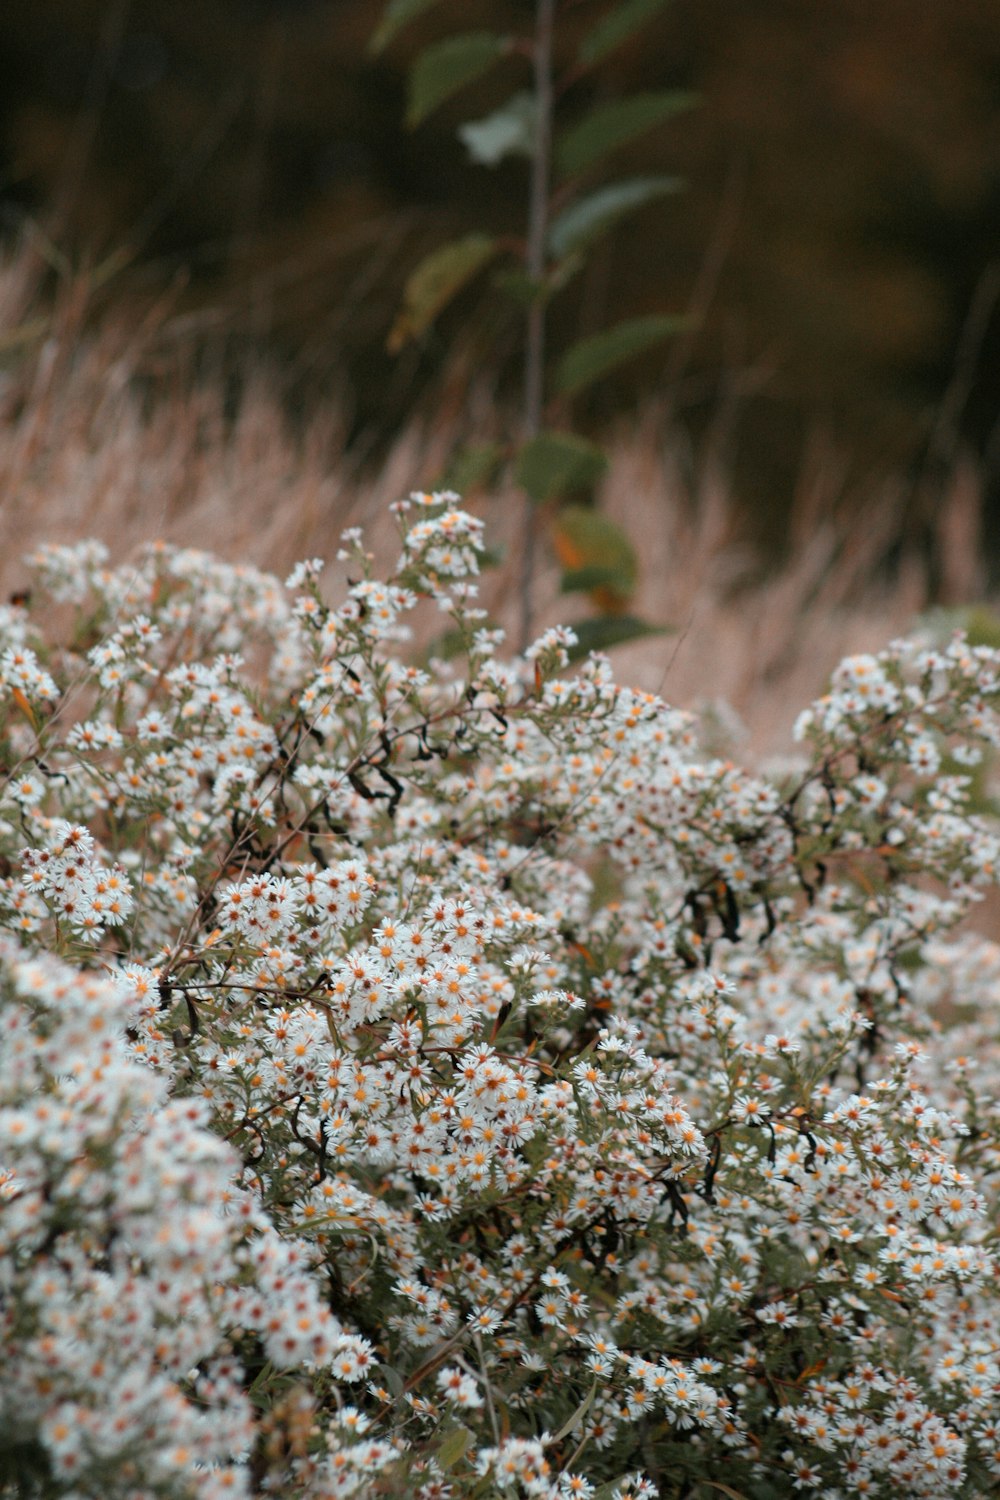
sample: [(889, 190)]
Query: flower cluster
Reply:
[(119, 1226), (441, 1076)]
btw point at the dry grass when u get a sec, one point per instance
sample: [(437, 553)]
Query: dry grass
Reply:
[(102, 433)]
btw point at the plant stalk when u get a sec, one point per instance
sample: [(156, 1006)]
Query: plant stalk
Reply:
[(534, 346)]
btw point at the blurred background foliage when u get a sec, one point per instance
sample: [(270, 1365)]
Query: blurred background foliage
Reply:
[(837, 243)]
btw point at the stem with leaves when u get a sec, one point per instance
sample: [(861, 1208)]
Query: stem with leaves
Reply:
[(568, 213), (534, 343)]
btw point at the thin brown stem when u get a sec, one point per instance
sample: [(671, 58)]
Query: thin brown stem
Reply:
[(538, 222)]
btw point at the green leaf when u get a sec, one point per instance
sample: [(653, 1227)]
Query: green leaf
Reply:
[(594, 551), (397, 14), (611, 125), (581, 1411), (508, 131), (554, 462), (438, 278), (591, 358), (472, 466), (456, 1443), (392, 1380), (262, 1377), (516, 284), (594, 576), (523, 289), (605, 631), (615, 28), (562, 273), (444, 68), (589, 217)]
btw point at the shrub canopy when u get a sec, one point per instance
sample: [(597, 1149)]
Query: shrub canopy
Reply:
[(446, 1078)]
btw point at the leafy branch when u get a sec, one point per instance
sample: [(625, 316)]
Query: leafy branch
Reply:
[(568, 212)]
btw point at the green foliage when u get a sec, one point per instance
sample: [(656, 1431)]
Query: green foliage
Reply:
[(586, 220), (612, 125), (397, 14), (591, 359), (554, 463), (541, 123), (438, 278), (610, 630), (473, 466), (982, 626), (25, 1469), (454, 1447), (595, 553), (448, 66), (613, 29)]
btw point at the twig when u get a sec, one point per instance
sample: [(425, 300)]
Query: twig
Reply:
[(538, 218)]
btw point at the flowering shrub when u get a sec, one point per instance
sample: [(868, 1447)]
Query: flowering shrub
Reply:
[(445, 1080)]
